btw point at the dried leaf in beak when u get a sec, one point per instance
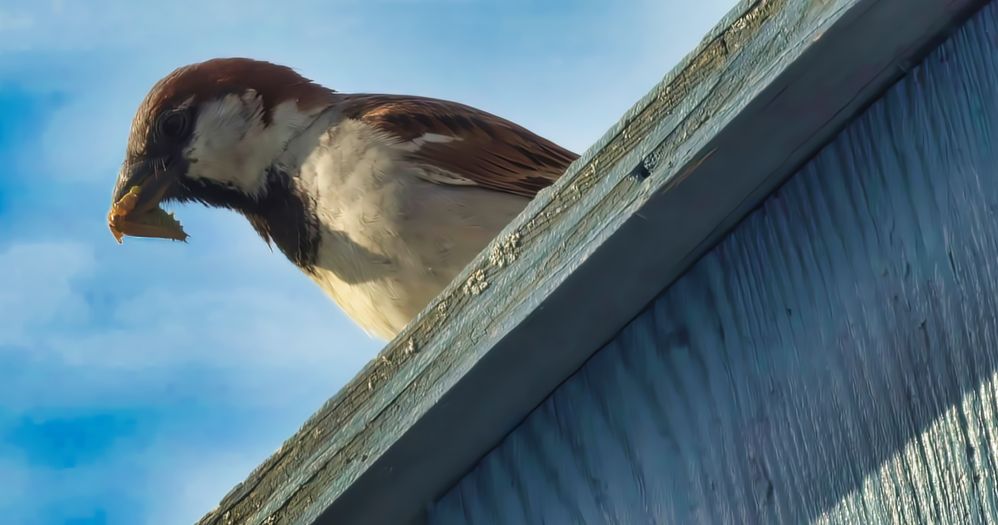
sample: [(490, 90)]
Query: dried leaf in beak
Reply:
[(157, 223)]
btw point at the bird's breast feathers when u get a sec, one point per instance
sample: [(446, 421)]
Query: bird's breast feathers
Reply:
[(407, 191), (393, 232)]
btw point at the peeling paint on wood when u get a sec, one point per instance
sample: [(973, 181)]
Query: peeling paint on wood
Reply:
[(833, 360), (714, 137)]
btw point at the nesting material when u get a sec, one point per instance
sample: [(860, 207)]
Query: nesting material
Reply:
[(123, 220)]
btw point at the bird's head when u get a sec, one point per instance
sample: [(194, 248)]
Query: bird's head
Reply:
[(209, 132)]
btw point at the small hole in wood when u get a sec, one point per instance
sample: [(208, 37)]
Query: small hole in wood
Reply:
[(640, 172)]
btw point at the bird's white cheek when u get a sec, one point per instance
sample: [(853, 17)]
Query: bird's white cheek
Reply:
[(233, 147), (228, 166), (224, 148)]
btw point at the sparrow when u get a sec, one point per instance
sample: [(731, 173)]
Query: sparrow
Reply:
[(380, 199)]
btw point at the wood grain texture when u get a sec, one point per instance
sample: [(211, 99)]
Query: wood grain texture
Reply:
[(833, 360), (763, 91)]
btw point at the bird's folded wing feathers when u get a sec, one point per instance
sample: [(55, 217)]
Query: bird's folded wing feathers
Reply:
[(461, 145)]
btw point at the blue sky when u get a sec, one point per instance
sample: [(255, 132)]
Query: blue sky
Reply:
[(138, 383)]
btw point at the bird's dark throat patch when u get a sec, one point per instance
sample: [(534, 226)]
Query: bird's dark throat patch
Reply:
[(282, 214)]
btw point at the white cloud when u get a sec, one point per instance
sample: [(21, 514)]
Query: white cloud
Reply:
[(265, 345), (60, 152), (238, 328), (14, 478), (13, 21), (38, 288)]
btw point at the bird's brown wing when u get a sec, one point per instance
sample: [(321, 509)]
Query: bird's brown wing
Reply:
[(466, 145)]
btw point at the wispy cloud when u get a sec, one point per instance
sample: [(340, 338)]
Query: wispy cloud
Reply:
[(14, 21), (38, 291), (132, 343)]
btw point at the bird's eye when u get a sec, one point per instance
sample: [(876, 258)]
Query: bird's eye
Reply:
[(173, 125)]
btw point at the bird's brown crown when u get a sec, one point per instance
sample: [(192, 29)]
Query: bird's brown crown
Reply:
[(213, 79)]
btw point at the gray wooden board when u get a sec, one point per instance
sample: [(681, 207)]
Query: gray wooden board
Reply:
[(834, 359), (766, 88)]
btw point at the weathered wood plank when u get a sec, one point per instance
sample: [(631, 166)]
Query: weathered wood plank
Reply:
[(770, 84), (833, 360)]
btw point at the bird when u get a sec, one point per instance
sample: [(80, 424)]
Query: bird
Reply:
[(380, 199)]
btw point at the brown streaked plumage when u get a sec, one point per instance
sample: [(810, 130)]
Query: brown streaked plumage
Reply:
[(380, 199), (491, 151)]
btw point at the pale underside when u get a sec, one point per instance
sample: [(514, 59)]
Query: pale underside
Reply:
[(393, 234)]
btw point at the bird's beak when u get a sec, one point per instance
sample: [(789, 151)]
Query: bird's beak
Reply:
[(138, 192)]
